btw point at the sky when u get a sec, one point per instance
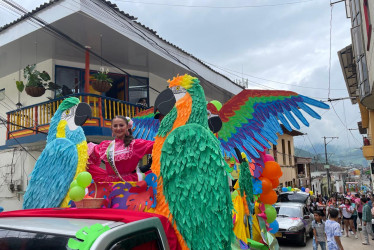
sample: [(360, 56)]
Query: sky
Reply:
[(275, 44)]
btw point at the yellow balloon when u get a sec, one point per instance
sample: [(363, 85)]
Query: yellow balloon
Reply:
[(292, 189), (311, 192)]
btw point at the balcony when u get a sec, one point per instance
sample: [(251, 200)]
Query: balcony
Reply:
[(368, 152), (30, 124)]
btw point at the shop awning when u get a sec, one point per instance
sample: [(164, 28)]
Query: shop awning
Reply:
[(349, 71)]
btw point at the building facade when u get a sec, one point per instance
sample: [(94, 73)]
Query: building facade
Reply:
[(357, 65), (71, 44)]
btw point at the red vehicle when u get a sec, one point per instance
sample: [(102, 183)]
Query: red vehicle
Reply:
[(52, 228)]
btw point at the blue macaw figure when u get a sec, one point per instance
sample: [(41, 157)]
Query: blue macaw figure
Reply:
[(63, 158)]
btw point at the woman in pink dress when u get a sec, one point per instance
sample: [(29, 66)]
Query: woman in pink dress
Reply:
[(121, 155)]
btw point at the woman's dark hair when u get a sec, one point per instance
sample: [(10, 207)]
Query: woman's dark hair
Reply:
[(128, 138), (318, 212)]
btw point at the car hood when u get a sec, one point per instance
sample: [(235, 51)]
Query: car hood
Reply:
[(287, 222)]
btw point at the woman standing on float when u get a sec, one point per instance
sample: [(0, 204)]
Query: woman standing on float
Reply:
[(121, 155)]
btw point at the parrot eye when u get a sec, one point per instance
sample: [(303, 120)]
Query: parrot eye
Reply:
[(178, 87), (67, 111)]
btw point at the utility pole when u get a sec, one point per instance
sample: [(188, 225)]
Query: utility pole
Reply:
[(327, 163)]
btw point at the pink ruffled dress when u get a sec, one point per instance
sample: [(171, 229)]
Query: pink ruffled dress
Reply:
[(126, 159)]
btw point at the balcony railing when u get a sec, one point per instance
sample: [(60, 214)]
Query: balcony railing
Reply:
[(36, 118)]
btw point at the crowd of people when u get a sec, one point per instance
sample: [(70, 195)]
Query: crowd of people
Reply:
[(342, 216)]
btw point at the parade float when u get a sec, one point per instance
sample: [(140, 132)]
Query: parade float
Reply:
[(189, 179)]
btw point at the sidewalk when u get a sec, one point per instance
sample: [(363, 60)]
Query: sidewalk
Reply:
[(351, 243)]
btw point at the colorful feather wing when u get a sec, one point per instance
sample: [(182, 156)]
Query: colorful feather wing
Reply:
[(145, 125), (253, 118)]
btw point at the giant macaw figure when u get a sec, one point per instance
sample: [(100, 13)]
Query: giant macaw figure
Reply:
[(63, 158), (249, 120)]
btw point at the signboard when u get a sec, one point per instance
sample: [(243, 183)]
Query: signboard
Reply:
[(327, 166)]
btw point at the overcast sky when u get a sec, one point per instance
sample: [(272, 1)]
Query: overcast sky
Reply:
[(284, 42)]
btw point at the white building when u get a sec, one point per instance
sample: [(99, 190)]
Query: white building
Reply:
[(54, 37)]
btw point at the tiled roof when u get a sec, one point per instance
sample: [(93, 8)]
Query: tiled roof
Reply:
[(114, 7)]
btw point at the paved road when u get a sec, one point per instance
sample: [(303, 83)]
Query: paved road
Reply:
[(349, 243)]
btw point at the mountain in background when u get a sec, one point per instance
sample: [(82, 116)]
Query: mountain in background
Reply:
[(337, 155)]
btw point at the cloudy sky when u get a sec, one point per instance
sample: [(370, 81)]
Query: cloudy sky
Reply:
[(275, 44)]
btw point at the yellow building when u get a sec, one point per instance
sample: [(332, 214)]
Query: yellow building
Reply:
[(284, 154), (357, 65)]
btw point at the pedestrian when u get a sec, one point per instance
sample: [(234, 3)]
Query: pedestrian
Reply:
[(347, 211), (366, 220), (331, 205), (359, 208), (321, 206), (318, 226), (332, 230)]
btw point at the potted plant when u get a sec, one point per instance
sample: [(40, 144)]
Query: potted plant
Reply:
[(100, 81), (37, 82)]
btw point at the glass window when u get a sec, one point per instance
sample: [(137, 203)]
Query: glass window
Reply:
[(138, 89), (68, 79), (15, 240), (146, 239), (287, 211)]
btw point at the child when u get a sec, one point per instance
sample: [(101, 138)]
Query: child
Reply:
[(366, 221), (319, 231), (332, 230)]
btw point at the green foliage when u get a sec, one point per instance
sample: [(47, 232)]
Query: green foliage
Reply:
[(20, 86), (87, 235), (102, 75), (196, 187), (38, 79)]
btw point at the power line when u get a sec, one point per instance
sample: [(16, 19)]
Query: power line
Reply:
[(217, 7)]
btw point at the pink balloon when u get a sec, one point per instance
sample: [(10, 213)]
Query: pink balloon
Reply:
[(307, 190), (268, 158)]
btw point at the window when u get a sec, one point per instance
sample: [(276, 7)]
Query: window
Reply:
[(146, 239), (69, 79), (368, 23), (275, 152), (14, 239), (284, 152), (289, 153), (359, 52), (138, 88)]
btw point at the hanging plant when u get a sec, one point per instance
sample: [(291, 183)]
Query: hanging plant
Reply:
[(37, 82), (101, 81)]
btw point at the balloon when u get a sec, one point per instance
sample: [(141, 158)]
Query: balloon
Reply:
[(272, 170), (77, 193), (1, 209), (275, 183), (274, 227), (303, 189), (217, 104), (84, 179), (289, 188), (311, 192), (73, 184), (269, 198), (292, 189), (268, 158), (271, 213), (307, 190), (266, 185), (284, 189)]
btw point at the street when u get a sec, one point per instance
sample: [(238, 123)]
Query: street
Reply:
[(348, 243)]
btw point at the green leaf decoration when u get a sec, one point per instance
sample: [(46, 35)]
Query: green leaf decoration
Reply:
[(87, 235), (20, 86)]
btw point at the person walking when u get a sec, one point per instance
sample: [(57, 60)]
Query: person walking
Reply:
[(318, 226), (366, 221), (332, 230), (347, 211)]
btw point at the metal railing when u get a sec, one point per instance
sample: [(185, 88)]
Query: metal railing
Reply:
[(33, 117)]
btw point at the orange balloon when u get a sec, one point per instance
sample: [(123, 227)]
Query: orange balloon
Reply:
[(266, 185), (275, 183), (272, 170), (268, 198)]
